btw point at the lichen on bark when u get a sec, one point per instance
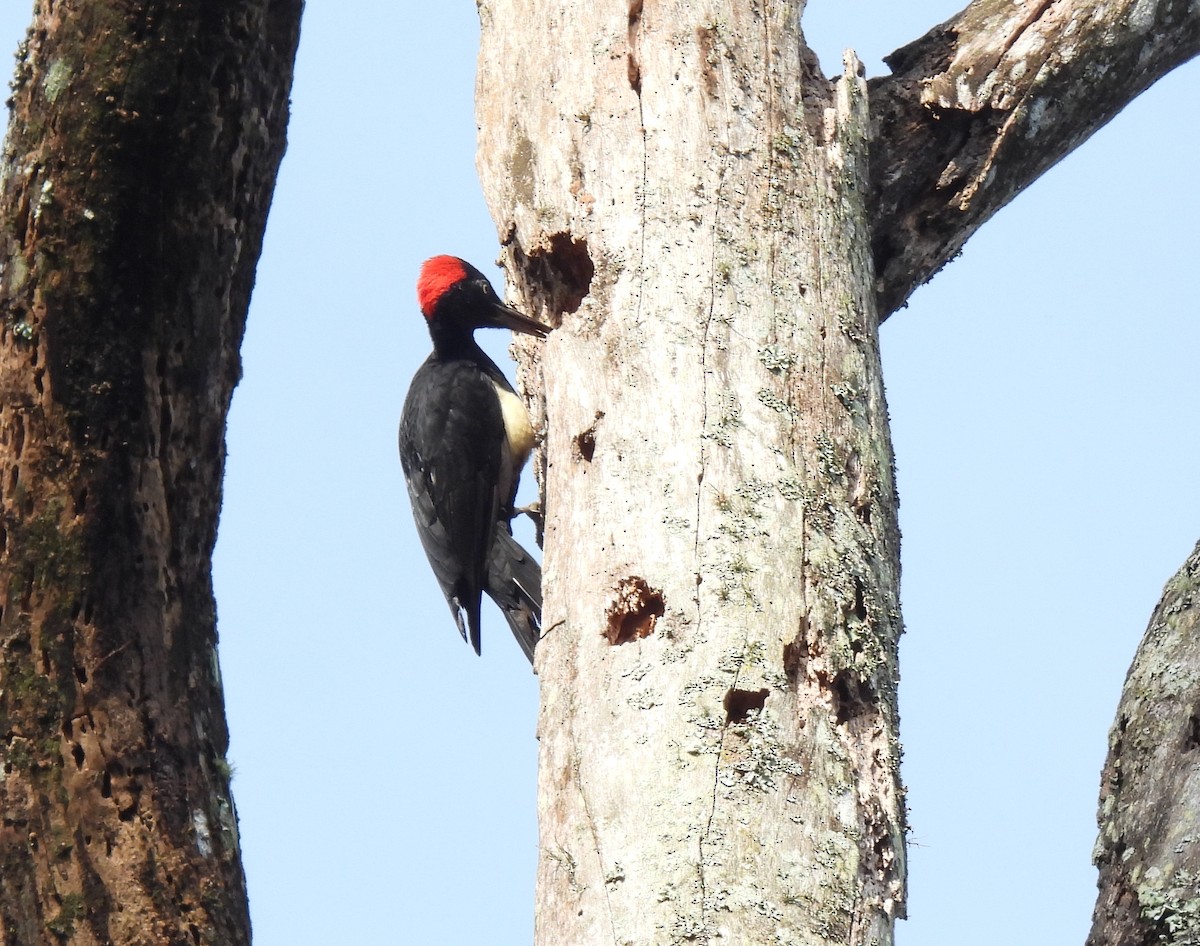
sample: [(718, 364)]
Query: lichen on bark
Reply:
[(733, 771), (1148, 851)]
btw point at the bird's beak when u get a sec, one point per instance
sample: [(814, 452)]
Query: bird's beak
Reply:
[(512, 319)]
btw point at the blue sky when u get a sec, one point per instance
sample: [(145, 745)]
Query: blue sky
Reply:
[(1042, 397)]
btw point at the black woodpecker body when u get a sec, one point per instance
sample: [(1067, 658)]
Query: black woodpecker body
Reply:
[(464, 437)]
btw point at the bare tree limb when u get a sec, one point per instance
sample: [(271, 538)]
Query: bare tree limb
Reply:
[(980, 106)]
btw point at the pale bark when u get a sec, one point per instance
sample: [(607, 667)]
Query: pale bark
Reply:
[(138, 169), (1149, 847), (681, 192), (718, 724)]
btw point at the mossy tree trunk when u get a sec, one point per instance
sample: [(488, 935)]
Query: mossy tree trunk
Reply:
[(1149, 847), (141, 156), (717, 230)]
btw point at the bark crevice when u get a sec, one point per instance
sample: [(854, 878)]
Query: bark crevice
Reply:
[(140, 158), (983, 104)]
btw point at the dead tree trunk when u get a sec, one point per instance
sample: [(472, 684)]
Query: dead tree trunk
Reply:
[(138, 169), (679, 189), (718, 719)]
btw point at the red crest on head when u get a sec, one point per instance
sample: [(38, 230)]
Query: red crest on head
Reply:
[(438, 274)]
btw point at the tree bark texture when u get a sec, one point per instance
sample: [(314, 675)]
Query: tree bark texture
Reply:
[(140, 160), (680, 189), (980, 106), (682, 193), (1149, 846)]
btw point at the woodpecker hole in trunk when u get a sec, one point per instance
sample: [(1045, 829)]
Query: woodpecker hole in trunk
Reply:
[(585, 443), (739, 704), (1192, 740), (634, 611), (797, 652), (557, 273), (850, 696), (860, 601)]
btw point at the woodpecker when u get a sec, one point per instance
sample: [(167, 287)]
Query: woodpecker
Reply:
[(464, 437)]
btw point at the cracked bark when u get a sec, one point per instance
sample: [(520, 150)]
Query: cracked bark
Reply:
[(983, 104), (680, 191), (696, 170), (138, 168)]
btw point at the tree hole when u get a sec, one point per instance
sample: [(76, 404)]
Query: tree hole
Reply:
[(796, 652), (634, 611), (860, 601), (558, 274), (585, 443), (851, 697), (739, 704)]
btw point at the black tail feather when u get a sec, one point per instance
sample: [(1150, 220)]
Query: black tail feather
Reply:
[(515, 584)]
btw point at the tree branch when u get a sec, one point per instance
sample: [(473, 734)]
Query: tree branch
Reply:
[(980, 106)]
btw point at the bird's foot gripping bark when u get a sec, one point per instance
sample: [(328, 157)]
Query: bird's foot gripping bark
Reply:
[(534, 512)]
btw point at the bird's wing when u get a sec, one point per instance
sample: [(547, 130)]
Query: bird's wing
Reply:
[(450, 448)]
